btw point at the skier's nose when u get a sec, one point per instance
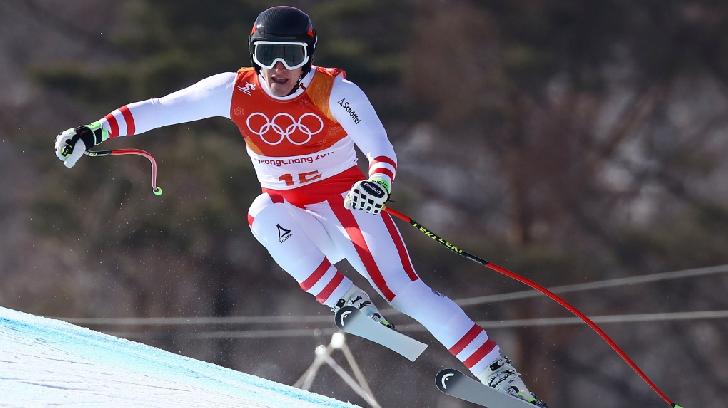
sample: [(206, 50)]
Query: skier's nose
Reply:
[(279, 66)]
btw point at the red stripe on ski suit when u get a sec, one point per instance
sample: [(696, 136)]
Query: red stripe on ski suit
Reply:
[(401, 249), (113, 124), (126, 113), (329, 289), (383, 159), (383, 170), (481, 352), (347, 220), (465, 340), (316, 275)]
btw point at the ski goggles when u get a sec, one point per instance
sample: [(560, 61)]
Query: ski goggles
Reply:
[(292, 54)]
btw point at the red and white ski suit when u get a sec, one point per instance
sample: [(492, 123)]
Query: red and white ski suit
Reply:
[(302, 149)]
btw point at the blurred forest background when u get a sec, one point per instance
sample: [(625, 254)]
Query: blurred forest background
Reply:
[(570, 141)]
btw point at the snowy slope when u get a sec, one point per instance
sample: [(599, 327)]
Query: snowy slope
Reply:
[(48, 362)]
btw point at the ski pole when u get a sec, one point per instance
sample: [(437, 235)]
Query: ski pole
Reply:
[(120, 152), (497, 268), (503, 271)]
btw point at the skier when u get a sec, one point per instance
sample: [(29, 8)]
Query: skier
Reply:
[(300, 123)]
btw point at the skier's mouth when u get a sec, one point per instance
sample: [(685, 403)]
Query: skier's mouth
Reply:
[(278, 80)]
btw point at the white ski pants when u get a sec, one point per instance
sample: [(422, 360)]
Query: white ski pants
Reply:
[(307, 241)]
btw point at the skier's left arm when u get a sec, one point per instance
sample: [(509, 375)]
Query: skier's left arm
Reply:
[(352, 109)]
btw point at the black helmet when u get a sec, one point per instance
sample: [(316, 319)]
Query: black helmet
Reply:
[(283, 23)]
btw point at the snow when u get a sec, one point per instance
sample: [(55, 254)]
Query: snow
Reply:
[(48, 362)]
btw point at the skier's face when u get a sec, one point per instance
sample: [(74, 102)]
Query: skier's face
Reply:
[(281, 80)]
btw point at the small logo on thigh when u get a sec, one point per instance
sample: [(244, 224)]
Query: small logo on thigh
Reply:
[(283, 234)]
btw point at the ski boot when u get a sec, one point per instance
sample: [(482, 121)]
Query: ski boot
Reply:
[(360, 300), (502, 376)]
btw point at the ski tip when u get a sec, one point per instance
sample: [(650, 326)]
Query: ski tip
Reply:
[(343, 314), (445, 378)]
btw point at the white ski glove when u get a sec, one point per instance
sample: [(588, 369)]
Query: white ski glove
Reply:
[(368, 195), (72, 143)]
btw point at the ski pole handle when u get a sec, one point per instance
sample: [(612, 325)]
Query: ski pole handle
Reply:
[(120, 152)]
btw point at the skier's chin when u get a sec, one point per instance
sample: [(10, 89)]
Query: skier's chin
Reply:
[(281, 81), (281, 87)]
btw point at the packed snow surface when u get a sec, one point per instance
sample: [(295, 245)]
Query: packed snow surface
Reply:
[(46, 362)]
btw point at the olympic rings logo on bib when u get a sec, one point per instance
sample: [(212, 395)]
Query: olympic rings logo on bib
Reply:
[(283, 126)]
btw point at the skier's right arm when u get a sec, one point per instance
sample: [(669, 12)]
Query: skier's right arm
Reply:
[(207, 98)]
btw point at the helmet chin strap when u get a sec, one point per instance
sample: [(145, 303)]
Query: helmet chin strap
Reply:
[(299, 84)]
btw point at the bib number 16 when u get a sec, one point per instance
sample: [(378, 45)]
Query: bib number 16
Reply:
[(302, 178)]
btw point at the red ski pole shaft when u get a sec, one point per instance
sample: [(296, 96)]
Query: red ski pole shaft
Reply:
[(138, 152), (503, 271)]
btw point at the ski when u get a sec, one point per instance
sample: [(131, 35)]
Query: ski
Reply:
[(351, 321), (456, 384)]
